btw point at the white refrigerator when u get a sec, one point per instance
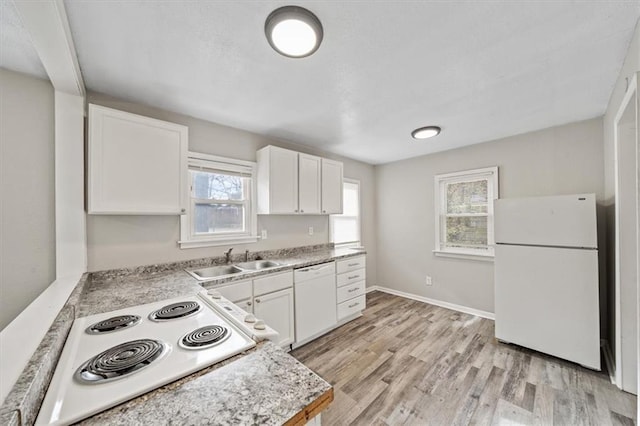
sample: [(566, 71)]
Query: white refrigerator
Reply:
[(546, 276)]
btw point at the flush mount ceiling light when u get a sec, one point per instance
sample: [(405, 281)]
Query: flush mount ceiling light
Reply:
[(426, 132), (293, 31)]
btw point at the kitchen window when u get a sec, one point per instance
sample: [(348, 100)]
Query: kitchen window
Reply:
[(345, 227), (221, 207), (464, 213)]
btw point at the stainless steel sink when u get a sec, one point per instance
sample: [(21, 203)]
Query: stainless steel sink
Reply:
[(258, 264), (214, 272)]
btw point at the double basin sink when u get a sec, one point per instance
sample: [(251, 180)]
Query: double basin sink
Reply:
[(221, 271)]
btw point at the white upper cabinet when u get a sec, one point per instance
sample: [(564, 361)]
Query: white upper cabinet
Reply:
[(137, 165), (309, 183), (277, 181), (331, 186), (295, 183)]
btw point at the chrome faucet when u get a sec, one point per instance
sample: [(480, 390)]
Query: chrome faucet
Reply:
[(246, 255), (227, 255)]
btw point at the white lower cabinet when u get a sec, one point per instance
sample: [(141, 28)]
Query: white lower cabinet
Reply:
[(276, 309), (269, 298), (350, 287)]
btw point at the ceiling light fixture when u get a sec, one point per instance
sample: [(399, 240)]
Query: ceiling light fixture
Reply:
[(426, 132), (293, 31)]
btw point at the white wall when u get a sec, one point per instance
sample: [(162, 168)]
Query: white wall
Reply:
[(631, 65), (560, 160), (27, 221), (121, 241)]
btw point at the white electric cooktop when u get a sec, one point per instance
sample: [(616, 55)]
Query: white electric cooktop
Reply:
[(113, 357)]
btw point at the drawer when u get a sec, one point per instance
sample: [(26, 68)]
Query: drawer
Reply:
[(350, 291), (315, 271), (236, 291), (350, 277), (351, 306), (350, 264), (271, 283)]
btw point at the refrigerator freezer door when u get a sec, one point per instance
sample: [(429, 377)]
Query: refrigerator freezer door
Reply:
[(561, 221), (547, 299)]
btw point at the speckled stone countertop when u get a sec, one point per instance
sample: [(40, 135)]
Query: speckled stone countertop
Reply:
[(264, 385), (112, 290)]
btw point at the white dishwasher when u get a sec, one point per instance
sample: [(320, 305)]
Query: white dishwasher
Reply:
[(315, 297)]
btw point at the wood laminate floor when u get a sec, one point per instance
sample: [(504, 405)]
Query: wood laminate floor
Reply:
[(407, 362)]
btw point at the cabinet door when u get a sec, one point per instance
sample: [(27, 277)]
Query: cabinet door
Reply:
[(245, 304), (276, 309), (331, 186), (309, 183), (282, 178), (137, 165)]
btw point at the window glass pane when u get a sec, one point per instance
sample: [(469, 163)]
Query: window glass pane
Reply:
[(217, 186), (210, 218), (345, 229), (466, 231), (467, 197), (350, 199)]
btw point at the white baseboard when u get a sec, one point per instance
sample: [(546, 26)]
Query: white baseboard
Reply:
[(608, 360), (448, 305)]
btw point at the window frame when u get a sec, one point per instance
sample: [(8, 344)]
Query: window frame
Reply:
[(440, 182), (214, 163), (358, 242)]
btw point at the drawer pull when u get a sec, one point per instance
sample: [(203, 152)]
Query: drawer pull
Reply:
[(354, 264), (354, 305), (352, 277), (353, 289)]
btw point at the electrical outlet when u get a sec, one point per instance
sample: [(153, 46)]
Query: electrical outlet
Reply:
[(429, 282), (311, 230), (264, 234)]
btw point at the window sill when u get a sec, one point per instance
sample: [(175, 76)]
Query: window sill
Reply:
[(187, 244), (465, 255)]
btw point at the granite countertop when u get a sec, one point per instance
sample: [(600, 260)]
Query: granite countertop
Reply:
[(112, 290), (264, 385)]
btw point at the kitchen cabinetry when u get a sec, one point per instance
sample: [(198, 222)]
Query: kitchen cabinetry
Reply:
[(332, 175), (269, 298), (315, 300), (136, 164), (351, 287), (295, 183)]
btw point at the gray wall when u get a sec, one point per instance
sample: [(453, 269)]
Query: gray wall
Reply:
[(120, 241), (631, 65), (27, 210), (560, 160)]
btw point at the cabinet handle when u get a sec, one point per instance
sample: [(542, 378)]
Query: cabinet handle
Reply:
[(353, 264), (301, 211), (353, 277), (248, 303), (296, 210), (354, 305), (353, 289), (324, 211), (183, 210), (257, 300)]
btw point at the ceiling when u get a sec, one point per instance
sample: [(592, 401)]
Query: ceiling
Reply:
[(16, 49), (479, 69)]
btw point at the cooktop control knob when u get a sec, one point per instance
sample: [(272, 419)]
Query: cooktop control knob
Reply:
[(249, 318), (215, 294), (259, 325)]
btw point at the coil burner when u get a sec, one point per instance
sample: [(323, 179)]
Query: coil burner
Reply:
[(175, 311), (205, 337), (120, 361), (113, 324)]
